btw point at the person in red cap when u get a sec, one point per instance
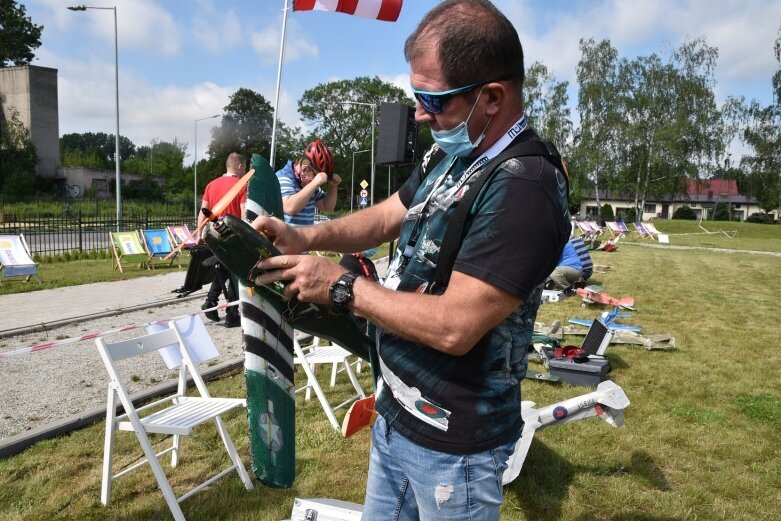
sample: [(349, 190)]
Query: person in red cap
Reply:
[(301, 185)]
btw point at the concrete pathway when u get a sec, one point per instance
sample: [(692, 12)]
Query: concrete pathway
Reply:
[(39, 310)]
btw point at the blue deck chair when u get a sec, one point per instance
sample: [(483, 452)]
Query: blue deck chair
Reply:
[(158, 245), (15, 259)]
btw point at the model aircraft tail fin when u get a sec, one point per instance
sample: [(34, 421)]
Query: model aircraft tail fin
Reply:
[(612, 395)]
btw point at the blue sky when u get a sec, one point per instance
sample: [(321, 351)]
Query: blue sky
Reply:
[(180, 60)]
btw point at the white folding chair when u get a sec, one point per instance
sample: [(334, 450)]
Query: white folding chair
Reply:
[(333, 354), (178, 418)]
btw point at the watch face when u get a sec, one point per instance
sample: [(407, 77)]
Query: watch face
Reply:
[(341, 294)]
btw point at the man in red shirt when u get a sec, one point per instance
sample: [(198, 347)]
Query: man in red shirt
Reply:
[(215, 190)]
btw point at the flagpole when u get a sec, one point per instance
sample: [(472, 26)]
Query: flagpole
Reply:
[(279, 81)]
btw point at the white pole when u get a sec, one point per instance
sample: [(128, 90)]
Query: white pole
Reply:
[(195, 175), (276, 94), (195, 167), (117, 159), (372, 192), (352, 187)]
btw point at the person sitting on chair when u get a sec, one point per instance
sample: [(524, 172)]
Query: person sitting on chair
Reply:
[(222, 283)]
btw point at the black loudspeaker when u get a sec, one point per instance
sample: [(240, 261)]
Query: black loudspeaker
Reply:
[(398, 137)]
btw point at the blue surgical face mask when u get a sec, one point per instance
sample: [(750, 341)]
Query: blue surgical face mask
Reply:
[(456, 141)]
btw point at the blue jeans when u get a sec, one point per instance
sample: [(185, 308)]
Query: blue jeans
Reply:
[(409, 482)]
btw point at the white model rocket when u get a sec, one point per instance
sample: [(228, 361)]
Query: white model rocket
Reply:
[(608, 402)]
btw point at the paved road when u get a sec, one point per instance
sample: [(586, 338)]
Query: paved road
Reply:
[(38, 310)]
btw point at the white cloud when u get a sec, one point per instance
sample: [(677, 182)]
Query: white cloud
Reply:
[(215, 30), (297, 44), (146, 112), (745, 41), (141, 25), (399, 80)]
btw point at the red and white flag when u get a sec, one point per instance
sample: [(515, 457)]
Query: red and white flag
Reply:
[(386, 10)]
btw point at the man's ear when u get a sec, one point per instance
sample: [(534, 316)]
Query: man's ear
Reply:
[(496, 95)]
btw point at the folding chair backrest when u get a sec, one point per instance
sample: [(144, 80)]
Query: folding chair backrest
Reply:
[(594, 227), (651, 227), (140, 345), (15, 259), (157, 242), (181, 234), (127, 249)]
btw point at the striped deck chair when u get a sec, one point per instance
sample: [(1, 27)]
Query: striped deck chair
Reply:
[(586, 232), (127, 249), (181, 234), (595, 228), (651, 227), (614, 228), (15, 259), (158, 244), (642, 231), (624, 228)]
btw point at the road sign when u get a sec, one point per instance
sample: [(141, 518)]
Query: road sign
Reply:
[(363, 184), (364, 194)]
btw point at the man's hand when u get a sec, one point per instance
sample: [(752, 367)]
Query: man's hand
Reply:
[(335, 180), (285, 237), (309, 277), (320, 179)]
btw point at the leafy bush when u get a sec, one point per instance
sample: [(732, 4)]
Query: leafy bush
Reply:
[(721, 212), (761, 218), (685, 212), (607, 212)]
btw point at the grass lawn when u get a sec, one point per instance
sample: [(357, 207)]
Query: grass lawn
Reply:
[(702, 438)]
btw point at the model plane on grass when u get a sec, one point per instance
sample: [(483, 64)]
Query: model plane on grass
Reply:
[(595, 295), (608, 318), (608, 402)]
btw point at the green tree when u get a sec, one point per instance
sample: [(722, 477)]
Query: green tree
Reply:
[(245, 128), (17, 156), (595, 156), (19, 36), (763, 136), (346, 128), (545, 105), (88, 146), (669, 120)]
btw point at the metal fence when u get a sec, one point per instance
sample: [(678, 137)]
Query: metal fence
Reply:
[(53, 235)]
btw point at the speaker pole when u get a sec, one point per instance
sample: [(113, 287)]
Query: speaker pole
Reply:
[(374, 106)]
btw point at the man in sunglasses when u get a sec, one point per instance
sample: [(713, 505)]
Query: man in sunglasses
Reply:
[(451, 357), (301, 185)]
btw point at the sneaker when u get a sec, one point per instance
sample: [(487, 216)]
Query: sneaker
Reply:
[(211, 315), (232, 321)]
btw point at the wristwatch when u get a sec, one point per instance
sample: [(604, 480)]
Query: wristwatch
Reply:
[(341, 293)]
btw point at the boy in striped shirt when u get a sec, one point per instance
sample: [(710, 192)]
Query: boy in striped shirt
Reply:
[(301, 185)]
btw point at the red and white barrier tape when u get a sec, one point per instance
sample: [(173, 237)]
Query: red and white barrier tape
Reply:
[(92, 336)]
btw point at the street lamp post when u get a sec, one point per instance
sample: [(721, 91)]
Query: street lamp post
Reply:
[(352, 186), (195, 165), (373, 106), (116, 91)]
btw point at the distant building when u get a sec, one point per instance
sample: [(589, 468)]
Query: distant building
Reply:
[(701, 195), (32, 91)]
